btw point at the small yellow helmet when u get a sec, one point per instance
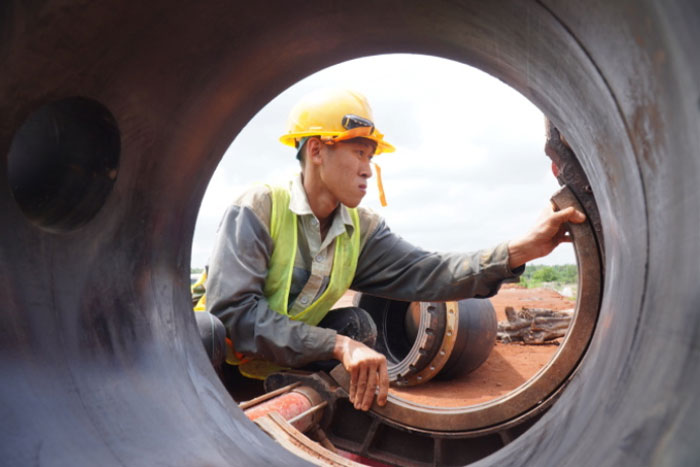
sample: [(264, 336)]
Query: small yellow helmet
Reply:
[(333, 115)]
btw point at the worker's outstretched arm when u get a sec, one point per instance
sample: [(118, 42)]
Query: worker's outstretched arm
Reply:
[(368, 372), (548, 232)]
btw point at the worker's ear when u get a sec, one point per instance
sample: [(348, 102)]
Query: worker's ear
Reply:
[(314, 148)]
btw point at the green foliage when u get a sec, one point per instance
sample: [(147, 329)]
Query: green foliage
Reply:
[(196, 270), (537, 275), (546, 274)]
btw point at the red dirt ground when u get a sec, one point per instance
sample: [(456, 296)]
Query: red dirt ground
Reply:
[(508, 366)]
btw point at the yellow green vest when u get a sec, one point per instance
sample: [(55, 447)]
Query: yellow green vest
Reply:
[(284, 231)]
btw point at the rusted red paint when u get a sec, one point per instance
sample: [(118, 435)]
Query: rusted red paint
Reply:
[(288, 405)]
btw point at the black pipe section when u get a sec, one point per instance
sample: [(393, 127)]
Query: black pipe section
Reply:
[(100, 358)]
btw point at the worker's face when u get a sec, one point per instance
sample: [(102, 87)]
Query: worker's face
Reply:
[(345, 169)]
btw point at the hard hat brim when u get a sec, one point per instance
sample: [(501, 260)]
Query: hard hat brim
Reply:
[(361, 132)]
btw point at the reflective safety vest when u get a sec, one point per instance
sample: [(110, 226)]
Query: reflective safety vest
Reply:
[(199, 296), (284, 231)]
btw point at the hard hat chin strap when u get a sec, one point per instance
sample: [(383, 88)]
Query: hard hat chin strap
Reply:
[(380, 185)]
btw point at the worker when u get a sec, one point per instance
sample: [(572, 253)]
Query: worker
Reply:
[(284, 255)]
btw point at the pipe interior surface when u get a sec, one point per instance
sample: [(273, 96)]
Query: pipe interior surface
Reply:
[(100, 358)]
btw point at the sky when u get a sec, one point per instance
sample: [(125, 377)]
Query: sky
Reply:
[(469, 171)]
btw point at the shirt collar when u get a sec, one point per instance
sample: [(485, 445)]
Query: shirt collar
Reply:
[(299, 205)]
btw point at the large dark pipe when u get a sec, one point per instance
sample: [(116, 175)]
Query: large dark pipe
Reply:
[(425, 340), (100, 359)]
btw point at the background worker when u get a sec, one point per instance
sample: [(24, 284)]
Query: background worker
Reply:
[(284, 255)]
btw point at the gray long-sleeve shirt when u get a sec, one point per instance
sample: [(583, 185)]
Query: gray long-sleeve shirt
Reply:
[(388, 266)]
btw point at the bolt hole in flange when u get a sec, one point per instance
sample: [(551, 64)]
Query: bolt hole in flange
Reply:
[(63, 162)]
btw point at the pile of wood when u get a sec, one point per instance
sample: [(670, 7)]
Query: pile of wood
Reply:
[(533, 325)]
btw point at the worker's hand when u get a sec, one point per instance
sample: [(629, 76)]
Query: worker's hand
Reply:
[(368, 372), (549, 231)]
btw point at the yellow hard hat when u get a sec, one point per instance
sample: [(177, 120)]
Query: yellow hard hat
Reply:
[(333, 115)]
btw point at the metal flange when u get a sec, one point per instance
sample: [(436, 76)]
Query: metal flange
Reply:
[(447, 344), (537, 394)]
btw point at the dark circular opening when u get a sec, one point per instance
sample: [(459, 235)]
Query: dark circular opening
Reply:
[(63, 162), (390, 317), (397, 342)]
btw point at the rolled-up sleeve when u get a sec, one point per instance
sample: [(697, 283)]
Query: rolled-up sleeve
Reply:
[(391, 267), (237, 271)]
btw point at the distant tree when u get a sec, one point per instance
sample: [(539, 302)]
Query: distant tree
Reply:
[(536, 275), (568, 274), (545, 274)]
